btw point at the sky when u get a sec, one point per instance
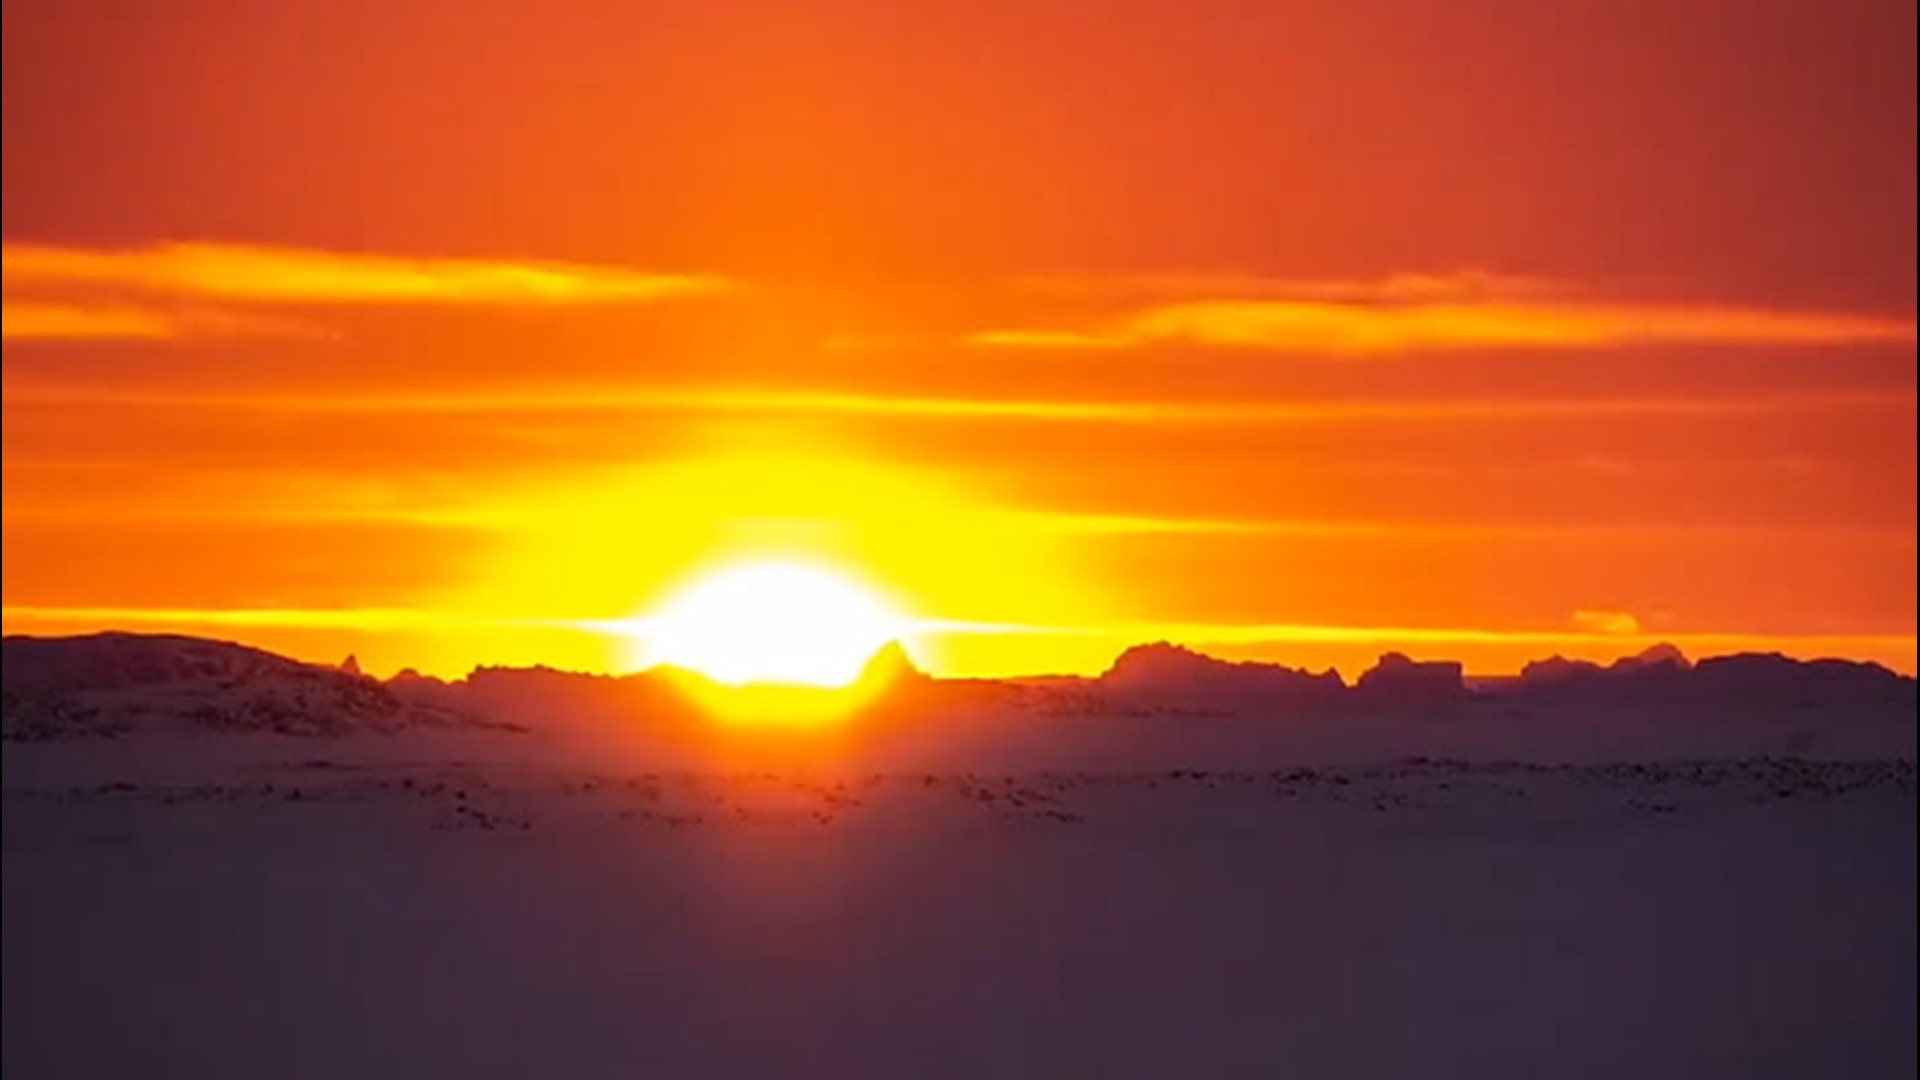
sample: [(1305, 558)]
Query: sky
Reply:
[(445, 332)]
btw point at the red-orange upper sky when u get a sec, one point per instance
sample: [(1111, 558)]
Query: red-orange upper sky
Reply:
[(437, 331)]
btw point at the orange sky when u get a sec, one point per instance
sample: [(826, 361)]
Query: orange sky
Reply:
[(439, 331)]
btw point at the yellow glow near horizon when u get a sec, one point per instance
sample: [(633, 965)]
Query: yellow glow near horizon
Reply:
[(771, 622), (617, 546)]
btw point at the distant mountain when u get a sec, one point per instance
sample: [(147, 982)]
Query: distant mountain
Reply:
[(1662, 674), (1660, 655), (1555, 669), (669, 705), (1750, 678), (409, 677), (112, 684), (1661, 660), (1660, 671), (548, 699), (1168, 673), (1163, 671), (1398, 680)]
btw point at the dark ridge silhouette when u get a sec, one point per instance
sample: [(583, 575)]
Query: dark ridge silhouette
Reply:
[(115, 660), (1755, 677), (1662, 675), (1556, 668), (1400, 681), (1662, 659), (1663, 654), (1660, 672), (564, 698), (409, 677), (1163, 670), (113, 684)]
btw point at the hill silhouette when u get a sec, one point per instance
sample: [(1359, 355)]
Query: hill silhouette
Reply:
[(1164, 670), (111, 684)]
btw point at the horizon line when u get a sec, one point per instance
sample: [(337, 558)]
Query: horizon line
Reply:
[(1195, 637)]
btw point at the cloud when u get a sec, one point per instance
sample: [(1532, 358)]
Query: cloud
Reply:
[(1403, 288), (1594, 621), (1410, 312), (396, 618), (1382, 328), (370, 618), (1046, 339), (55, 320), (242, 273), (1458, 285), (1254, 634), (1240, 634), (800, 401), (69, 293)]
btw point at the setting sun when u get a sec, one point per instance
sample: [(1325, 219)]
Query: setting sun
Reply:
[(770, 622)]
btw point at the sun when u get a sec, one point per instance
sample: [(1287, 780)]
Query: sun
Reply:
[(771, 622)]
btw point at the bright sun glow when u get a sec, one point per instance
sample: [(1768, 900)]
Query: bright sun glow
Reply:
[(771, 622)]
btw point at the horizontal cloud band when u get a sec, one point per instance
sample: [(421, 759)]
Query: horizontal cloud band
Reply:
[(57, 292), (1407, 313)]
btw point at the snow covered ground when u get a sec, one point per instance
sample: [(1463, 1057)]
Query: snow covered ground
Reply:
[(442, 906)]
